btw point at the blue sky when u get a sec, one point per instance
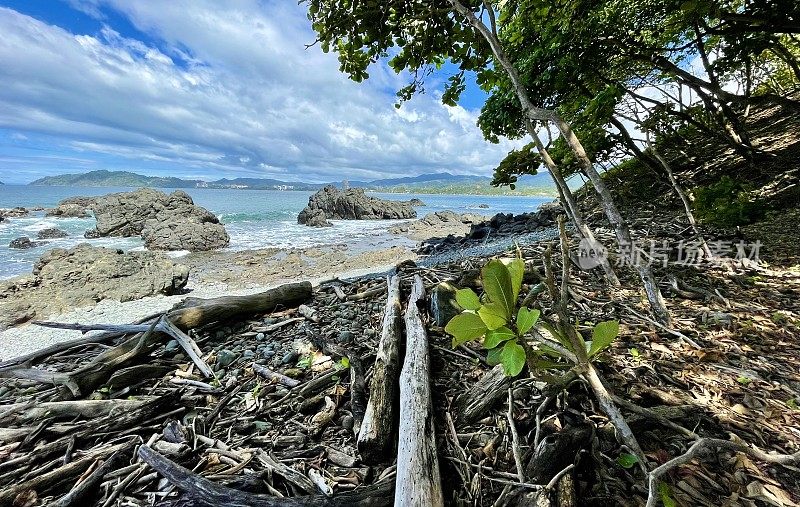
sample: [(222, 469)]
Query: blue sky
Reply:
[(209, 89)]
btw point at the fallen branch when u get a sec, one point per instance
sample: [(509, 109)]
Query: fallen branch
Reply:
[(418, 476), (377, 426), (203, 492), (652, 477)]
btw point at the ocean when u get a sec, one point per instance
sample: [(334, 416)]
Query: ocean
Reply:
[(253, 218)]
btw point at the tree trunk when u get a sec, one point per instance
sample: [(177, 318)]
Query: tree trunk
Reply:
[(534, 113), (419, 481), (571, 207), (619, 224), (685, 200)]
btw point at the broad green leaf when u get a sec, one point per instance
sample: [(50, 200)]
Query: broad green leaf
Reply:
[(512, 357), (465, 327), (603, 335), (493, 315), (493, 356), (467, 299), (665, 492), (526, 319), (626, 460), (497, 336), (516, 270), (497, 285)]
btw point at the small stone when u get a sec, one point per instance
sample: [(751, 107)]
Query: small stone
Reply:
[(248, 354), (172, 346), (290, 357), (347, 422), (293, 372), (345, 337), (225, 358), (220, 373), (260, 336)]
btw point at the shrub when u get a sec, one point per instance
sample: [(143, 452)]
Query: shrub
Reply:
[(726, 203)]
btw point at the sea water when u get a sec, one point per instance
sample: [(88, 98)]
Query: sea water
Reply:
[(253, 218)]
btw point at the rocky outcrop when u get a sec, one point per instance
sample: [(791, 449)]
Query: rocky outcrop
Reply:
[(23, 243), (81, 276), (51, 233), (438, 224), (173, 222), (416, 202), (68, 210), (13, 213), (184, 234), (352, 204), (313, 218), (501, 225)]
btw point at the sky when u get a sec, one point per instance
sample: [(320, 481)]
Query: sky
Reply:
[(209, 89)]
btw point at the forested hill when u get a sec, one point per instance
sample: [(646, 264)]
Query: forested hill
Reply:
[(437, 183)]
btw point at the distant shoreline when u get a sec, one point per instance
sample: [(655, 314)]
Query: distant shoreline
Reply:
[(421, 191)]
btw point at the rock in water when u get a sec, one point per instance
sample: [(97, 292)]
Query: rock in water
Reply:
[(81, 276), (353, 204), (165, 222), (67, 210), (51, 233), (22, 243), (313, 218), (182, 234)]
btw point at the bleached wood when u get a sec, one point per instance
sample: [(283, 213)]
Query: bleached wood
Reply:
[(374, 436), (418, 476)]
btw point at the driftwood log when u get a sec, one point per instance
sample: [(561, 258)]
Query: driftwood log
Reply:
[(471, 405), (377, 428), (418, 476), (198, 312), (202, 492)]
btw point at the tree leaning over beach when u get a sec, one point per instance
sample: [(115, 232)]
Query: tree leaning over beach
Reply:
[(420, 35)]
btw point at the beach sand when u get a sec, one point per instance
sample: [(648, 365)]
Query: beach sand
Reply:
[(213, 274)]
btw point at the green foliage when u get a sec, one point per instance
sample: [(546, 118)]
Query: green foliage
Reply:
[(501, 323), (726, 203), (603, 334), (626, 460)]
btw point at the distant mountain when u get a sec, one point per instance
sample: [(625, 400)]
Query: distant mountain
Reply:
[(435, 183)]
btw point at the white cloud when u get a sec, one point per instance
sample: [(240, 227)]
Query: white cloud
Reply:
[(229, 88)]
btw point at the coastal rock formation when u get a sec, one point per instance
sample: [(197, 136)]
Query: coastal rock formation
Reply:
[(84, 275), (13, 213), (499, 226), (67, 210), (51, 233), (353, 204), (23, 243), (172, 221), (184, 234), (416, 202), (313, 218), (438, 224)]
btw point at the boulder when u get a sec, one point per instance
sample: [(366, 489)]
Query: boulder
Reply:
[(173, 221), (416, 202), (83, 275), (91, 234), (353, 204), (51, 233), (23, 243), (483, 206), (67, 210), (184, 234), (14, 212), (313, 218)]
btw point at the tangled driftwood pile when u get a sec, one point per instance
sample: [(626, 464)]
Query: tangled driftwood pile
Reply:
[(349, 394)]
